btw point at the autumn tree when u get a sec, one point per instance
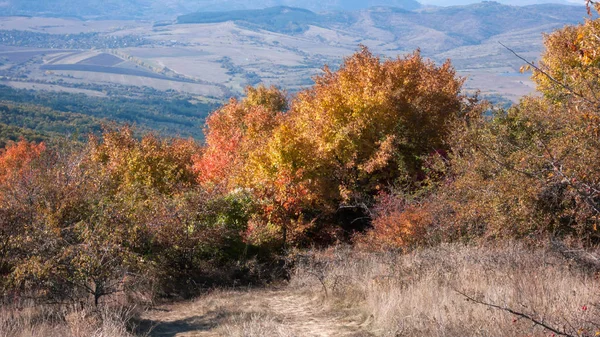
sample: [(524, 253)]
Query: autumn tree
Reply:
[(147, 164), (168, 214), (233, 131), (57, 248), (357, 131), (532, 169), (17, 174), (568, 71), (81, 221)]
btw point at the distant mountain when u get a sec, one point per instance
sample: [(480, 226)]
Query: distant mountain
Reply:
[(123, 9), (115, 9), (282, 19), (313, 5), (165, 9), (448, 26)]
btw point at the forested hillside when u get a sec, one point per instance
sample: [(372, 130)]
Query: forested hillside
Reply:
[(129, 9), (45, 113)]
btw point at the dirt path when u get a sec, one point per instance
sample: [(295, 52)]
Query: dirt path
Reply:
[(251, 314)]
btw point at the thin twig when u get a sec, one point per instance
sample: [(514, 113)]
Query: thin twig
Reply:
[(516, 313), (550, 77)]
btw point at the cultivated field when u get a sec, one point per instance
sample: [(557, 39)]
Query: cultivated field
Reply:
[(220, 59), (22, 56), (51, 87), (103, 60)]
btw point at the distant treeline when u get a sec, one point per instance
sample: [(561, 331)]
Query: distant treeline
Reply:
[(39, 123), (168, 114), (19, 38), (280, 19)]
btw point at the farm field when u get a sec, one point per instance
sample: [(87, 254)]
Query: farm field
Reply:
[(280, 66), (141, 81), (52, 87), (103, 60), (68, 25), (24, 56), (218, 60), (53, 67)]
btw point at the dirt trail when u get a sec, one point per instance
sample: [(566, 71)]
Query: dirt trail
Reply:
[(251, 314)]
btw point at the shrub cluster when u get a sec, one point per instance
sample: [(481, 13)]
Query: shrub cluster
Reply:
[(92, 220), (388, 148), (530, 171)]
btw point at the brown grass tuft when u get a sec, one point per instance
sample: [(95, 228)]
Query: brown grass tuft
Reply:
[(65, 321), (255, 325), (417, 294)]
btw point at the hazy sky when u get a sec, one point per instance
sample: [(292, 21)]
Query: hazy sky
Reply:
[(512, 2)]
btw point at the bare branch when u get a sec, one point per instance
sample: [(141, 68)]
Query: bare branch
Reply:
[(518, 314), (550, 77), (569, 180)]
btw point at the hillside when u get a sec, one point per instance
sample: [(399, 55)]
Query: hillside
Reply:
[(313, 5), (43, 115), (468, 35), (278, 19), (506, 2), (460, 25), (217, 54), (130, 9)]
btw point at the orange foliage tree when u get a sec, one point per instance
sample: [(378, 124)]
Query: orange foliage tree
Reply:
[(16, 158), (355, 132), (530, 170), (16, 174), (234, 131)]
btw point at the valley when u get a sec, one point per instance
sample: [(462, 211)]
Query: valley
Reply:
[(216, 58)]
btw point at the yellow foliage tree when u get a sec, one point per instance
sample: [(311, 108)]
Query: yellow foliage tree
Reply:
[(234, 131), (151, 163), (355, 132), (535, 168)]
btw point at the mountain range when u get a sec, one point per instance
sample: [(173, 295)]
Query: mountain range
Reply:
[(505, 2), (223, 51), (162, 9), (456, 26)]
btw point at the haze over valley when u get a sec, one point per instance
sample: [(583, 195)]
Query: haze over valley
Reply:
[(216, 54), (209, 51)]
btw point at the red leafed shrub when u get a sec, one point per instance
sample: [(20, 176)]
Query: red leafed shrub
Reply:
[(16, 157), (397, 224)]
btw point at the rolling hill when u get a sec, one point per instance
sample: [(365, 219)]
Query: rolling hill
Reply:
[(155, 9), (214, 55), (445, 27)]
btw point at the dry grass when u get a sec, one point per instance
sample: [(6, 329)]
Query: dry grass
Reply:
[(346, 292), (65, 321), (255, 325), (419, 294)]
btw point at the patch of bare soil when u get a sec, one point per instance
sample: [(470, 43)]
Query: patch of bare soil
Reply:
[(251, 314)]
